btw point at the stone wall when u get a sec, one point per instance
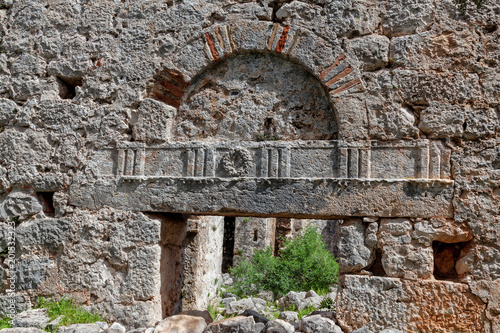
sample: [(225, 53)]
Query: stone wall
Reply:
[(382, 113)]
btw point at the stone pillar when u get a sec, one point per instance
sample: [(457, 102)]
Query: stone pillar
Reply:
[(202, 261), (252, 234)]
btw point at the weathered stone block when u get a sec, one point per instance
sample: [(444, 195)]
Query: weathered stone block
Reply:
[(354, 253), (406, 17), (154, 124), (372, 50), (377, 303)]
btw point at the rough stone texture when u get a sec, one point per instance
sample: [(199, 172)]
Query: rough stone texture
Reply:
[(399, 99), (402, 257), (181, 324), (252, 234), (377, 303), (154, 122), (316, 323), (236, 324), (279, 326), (202, 262), (354, 253), (32, 318), (79, 328)]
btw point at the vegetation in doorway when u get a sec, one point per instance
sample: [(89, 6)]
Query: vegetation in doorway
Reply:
[(304, 263)]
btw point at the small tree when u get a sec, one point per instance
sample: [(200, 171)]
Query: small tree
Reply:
[(304, 263)]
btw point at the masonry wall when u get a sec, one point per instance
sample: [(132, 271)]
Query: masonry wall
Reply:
[(79, 77)]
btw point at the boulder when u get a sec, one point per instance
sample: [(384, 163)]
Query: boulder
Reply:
[(266, 295), (181, 324), (313, 301), (257, 317), (80, 328), (238, 307), (279, 326), (311, 293), (292, 299), (318, 324), (259, 328), (197, 313), (116, 328), (236, 324), (289, 316), (326, 314), (226, 301)]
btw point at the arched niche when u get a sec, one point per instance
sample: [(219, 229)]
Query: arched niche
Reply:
[(255, 96)]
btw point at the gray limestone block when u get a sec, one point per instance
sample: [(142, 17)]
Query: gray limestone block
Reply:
[(279, 326), (181, 323), (352, 115), (421, 88), (50, 233), (390, 120), (372, 50), (62, 116), (481, 123), (351, 18), (441, 120), (406, 17), (402, 256), (17, 303), (238, 307), (32, 272), (289, 316), (116, 328), (4, 62), (19, 204), (354, 254), (235, 324), (317, 323), (8, 109), (293, 298), (79, 328), (22, 90), (142, 280), (135, 315), (28, 66), (154, 122), (31, 318)]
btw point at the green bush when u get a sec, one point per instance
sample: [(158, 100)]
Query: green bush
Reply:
[(303, 264)]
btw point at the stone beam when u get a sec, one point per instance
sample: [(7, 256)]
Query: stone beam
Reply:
[(287, 197)]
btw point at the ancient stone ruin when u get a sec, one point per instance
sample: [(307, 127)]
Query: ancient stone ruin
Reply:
[(144, 143)]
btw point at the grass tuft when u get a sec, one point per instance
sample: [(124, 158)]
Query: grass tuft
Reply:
[(5, 322), (73, 314)]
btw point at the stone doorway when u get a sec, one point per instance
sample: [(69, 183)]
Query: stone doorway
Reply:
[(197, 250)]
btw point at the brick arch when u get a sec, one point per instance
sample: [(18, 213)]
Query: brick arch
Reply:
[(327, 61)]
